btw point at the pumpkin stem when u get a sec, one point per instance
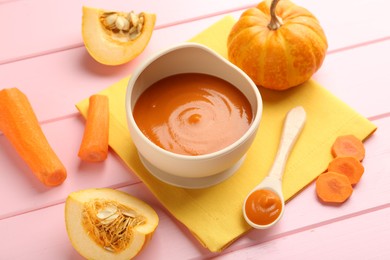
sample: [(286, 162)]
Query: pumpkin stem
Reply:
[(275, 22)]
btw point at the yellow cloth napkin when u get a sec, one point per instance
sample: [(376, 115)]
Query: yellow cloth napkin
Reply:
[(214, 214)]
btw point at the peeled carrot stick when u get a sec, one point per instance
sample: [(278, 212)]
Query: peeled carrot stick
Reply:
[(348, 145), (349, 166), (333, 187), (94, 145), (20, 126)]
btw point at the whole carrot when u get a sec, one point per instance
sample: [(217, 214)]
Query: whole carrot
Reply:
[(20, 126), (94, 145)]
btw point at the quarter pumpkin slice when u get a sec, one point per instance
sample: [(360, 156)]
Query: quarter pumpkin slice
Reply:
[(108, 224), (114, 38)]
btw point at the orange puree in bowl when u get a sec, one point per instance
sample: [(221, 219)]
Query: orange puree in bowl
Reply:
[(192, 113)]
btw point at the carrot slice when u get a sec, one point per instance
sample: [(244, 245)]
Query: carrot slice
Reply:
[(20, 126), (349, 166), (348, 145), (94, 145), (333, 187)]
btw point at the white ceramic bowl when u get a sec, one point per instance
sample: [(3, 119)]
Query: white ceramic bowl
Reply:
[(186, 170)]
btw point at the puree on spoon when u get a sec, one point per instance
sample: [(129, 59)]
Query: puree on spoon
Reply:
[(192, 113), (263, 207)]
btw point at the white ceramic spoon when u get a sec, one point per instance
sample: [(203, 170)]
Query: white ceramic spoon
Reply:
[(295, 119)]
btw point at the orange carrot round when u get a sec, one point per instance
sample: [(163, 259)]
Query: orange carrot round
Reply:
[(348, 145), (20, 126), (349, 166), (94, 145), (333, 187)]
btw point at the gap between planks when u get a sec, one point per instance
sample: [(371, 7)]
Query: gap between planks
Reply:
[(76, 114), (295, 231), (61, 201), (157, 27), (180, 22)]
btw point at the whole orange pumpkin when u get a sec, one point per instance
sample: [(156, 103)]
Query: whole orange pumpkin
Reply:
[(278, 44)]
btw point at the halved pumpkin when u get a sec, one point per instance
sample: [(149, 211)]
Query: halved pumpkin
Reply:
[(108, 224), (114, 38)]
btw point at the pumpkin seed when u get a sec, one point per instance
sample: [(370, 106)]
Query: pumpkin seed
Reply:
[(134, 19), (110, 224), (110, 219), (107, 212), (129, 213), (122, 23), (110, 20), (134, 35), (108, 248), (123, 26)]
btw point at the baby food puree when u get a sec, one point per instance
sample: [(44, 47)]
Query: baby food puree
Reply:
[(192, 113)]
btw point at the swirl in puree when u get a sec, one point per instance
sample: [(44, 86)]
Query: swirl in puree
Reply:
[(192, 113)]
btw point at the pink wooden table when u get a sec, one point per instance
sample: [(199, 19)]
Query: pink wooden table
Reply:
[(41, 52)]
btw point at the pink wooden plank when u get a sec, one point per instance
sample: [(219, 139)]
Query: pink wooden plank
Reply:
[(302, 224), (54, 26), (72, 71), (69, 76), (46, 236), (20, 191), (359, 237), (359, 77), (88, 77), (37, 39), (305, 210), (347, 23)]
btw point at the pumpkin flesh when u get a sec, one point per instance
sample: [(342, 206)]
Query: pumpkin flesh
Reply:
[(122, 234), (110, 48)]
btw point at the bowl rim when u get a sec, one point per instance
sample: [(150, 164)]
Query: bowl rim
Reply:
[(129, 111)]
